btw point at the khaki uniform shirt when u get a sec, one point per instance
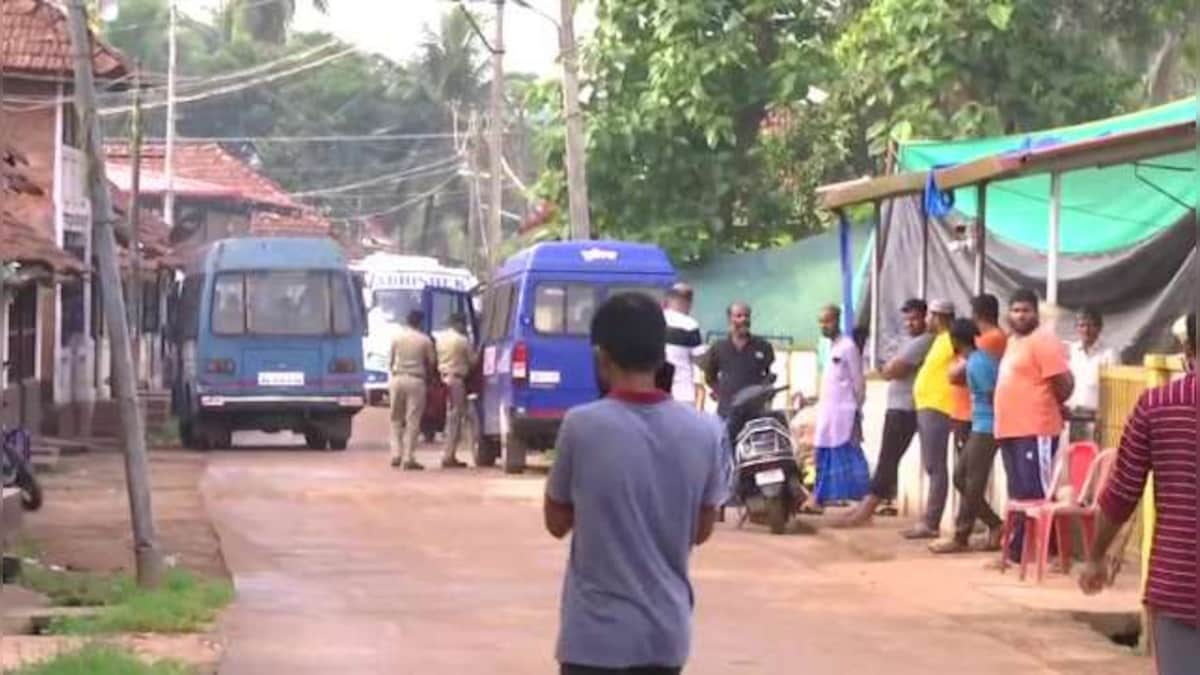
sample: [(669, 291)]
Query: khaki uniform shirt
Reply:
[(411, 353), (453, 353)]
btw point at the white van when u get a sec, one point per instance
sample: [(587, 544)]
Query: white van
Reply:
[(392, 286)]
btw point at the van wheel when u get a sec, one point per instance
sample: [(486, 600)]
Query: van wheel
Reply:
[(187, 435), (315, 440), (339, 443), (487, 450), (514, 453), (222, 437)]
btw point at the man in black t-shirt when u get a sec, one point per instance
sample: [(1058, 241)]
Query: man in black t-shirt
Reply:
[(738, 361)]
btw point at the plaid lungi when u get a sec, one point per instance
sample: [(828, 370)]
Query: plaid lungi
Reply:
[(842, 473)]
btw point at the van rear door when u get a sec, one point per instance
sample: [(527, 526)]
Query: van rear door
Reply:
[(555, 351)]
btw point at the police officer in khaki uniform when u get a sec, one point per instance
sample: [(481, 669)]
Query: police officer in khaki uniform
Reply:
[(412, 360), (454, 364)]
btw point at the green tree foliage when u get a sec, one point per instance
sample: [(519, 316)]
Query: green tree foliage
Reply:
[(704, 136), (264, 20), (679, 94), (354, 96)]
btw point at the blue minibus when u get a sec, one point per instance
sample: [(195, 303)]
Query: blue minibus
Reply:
[(536, 358), (268, 334)]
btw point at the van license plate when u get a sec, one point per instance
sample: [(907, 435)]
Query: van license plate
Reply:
[(768, 477), (277, 379)]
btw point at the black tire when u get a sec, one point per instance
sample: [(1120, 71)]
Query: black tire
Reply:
[(187, 435), (777, 514), (514, 450), (222, 437), (31, 490), (339, 443), (315, 440), (487, 451)]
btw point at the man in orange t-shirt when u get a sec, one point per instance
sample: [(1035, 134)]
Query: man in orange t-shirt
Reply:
[(1034, 382), (985, 310)]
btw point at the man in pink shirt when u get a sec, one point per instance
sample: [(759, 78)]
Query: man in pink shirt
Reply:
[(1034, 382)]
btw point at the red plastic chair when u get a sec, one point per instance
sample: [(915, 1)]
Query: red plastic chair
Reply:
[(1083, 506), (1074, 461)]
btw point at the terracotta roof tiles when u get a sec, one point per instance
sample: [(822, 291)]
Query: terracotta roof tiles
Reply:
[(22, 243), (34, 39), (208, 163)]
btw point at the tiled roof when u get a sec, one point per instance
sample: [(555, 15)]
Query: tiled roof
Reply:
[(301, 223), (210, 163), (34, 39), (152, 229), (22, 243), (155, 183)]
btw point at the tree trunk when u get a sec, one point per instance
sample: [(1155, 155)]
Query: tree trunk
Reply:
[(1160, 79)]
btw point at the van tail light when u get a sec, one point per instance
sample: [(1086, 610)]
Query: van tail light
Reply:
[(220, 367), (520, 361), (343, 365)]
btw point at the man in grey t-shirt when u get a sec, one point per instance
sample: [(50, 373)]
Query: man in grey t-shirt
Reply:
[(638, 477), (900, 420)]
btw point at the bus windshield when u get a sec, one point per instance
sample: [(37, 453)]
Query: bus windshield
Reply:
[(281, 303), (392, 305)]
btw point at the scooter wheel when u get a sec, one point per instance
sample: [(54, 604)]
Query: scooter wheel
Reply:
[(777, 515)]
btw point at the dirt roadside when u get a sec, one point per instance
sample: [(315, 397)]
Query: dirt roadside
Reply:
[(84, 525)]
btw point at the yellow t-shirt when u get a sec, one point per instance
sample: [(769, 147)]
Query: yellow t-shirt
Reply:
[(932, 389)]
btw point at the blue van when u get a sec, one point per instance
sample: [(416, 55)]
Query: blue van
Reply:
[(536, 358), (268, 334)]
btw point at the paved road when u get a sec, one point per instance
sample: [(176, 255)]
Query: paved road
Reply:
[(344, 565)]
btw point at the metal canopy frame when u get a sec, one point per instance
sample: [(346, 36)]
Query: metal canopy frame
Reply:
[(1055, 160)]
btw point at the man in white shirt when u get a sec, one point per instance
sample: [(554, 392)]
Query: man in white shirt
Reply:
[(1087, 357), (685, 345)]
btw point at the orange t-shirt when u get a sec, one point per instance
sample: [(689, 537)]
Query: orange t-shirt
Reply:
[(992, 341), (1025, 403)]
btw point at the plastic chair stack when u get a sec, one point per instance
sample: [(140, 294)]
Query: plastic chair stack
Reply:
[(1071, 468)]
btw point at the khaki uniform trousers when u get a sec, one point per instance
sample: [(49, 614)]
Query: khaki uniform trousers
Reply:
[(456, 414), (407, 395)]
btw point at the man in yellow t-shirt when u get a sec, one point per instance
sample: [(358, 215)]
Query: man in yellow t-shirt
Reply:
[(936, 402)]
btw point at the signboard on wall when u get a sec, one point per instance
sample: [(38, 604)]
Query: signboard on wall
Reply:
[(74, 207)]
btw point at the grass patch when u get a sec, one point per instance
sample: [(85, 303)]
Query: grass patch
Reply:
[(166, 436), (98, 659), (76, 589), (183, 604)]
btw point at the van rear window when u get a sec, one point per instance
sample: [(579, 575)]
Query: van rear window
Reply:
[(281, 303), (564, 309)]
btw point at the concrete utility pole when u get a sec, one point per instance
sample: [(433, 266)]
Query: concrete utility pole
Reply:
[(496, 144), (135, 218), (169, 158), (577, 192), (137, 478)]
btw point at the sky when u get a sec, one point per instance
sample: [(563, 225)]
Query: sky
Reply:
[(395, 28)]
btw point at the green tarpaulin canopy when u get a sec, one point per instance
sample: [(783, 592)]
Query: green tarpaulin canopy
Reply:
[(1102, 209), (785, 286)]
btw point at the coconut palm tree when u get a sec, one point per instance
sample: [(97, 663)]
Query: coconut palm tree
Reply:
[(267, 20)]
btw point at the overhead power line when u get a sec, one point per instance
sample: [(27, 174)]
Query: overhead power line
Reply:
[(233, 88), (433, 167)]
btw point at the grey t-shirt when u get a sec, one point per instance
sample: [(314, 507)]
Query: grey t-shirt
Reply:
[(912, 352), (637, 474)]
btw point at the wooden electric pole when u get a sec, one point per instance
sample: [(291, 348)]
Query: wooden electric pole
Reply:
[(496, 145), (137, 478), (135, 235), (577, 192)]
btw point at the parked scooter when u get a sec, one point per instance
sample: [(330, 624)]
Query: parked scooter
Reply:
[(767, 481)]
